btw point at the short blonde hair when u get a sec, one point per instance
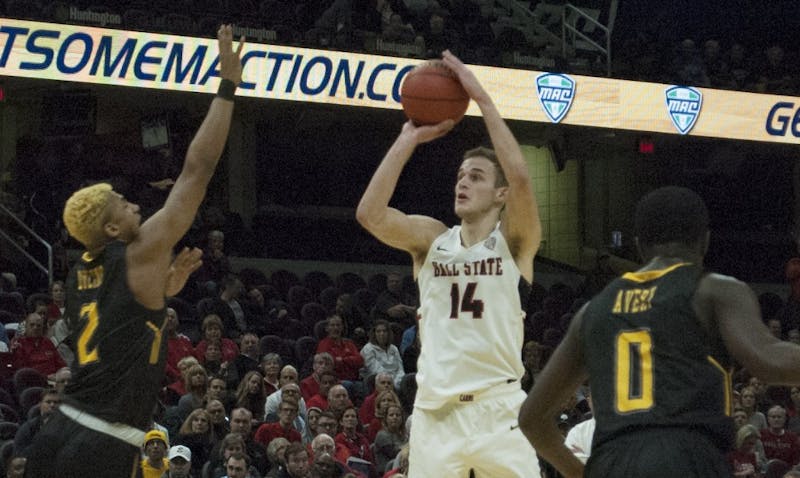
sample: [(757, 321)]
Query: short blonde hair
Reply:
[(744, 433), (84, 212)]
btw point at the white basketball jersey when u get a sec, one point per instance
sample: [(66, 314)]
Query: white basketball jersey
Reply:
[(471, 319)]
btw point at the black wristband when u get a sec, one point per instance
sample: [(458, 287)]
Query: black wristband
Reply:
[(226, 90)]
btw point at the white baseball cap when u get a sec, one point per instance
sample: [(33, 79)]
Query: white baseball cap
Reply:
[(180, 451)]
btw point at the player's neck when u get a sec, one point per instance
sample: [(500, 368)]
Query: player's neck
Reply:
[(474, 231)]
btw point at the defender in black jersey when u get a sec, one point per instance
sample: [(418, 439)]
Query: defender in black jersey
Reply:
[(656, 346), (115, 306)]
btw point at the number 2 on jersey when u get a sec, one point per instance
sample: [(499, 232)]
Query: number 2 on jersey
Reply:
[(466, 304), (89, 314), (92, 318), (634, 371)]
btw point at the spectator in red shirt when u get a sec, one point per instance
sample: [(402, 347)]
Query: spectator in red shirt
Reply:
[(320, 400), (213, 332), (347, 359), (356, 442), (743, 460), (34, 350), (309, 386), (287, 412), (178, 346), (383, 382), (778, 442)]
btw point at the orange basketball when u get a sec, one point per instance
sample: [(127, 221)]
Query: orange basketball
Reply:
[(431, 93)]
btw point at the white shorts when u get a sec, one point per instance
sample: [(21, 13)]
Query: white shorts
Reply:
[(482, 435)]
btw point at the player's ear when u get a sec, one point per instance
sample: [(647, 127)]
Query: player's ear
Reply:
[(111, 229), (501, 193)]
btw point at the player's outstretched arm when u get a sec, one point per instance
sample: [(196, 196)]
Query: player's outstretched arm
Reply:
[(748, 340), (170, 223), (521, 224), (563, 374), (410, 233)]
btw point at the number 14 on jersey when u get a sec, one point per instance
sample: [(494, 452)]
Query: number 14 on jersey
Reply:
[(466, 301)]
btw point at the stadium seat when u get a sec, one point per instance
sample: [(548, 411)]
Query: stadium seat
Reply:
[(304, 349), (319, 329), (25, 378), (310, 314), (294, 329), (317, 281), (29, 398), (8, 430), (277, 345), (776, 468), (7, 398), (9, 413), (7, 317), (349, 282), (13, 303)]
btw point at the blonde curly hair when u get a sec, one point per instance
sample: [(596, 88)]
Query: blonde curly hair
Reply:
[(84, 212)]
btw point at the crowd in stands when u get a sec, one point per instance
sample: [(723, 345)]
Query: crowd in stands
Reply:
[(287, 376), (711, 64), (314, 376), (479, 31), (279, 376)]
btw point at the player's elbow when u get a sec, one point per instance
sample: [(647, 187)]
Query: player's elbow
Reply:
[(368, 217), (776, 367), (362, 215), (530, 420)]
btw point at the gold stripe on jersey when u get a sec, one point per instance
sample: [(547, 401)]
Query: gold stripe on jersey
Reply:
[(646, 276), (726, 383), (156, 346)]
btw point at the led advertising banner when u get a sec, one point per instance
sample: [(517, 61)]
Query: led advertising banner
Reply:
[(171, 62)]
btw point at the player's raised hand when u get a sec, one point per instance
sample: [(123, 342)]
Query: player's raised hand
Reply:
[(230, 63), (468, 80), (424, 134), (185, 263)]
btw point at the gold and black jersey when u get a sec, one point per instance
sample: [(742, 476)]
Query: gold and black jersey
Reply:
[(118, 346), (651, 363)]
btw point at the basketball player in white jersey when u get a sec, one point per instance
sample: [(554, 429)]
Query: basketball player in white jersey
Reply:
[(471, 317)]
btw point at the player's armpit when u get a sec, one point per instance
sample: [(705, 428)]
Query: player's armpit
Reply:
[(748, 340)]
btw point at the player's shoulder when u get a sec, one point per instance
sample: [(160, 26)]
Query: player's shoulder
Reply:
[(714, 286), (713, 281), (428, 226), (426, 230)]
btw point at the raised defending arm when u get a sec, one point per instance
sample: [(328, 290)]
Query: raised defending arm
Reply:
[(171, 222)]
